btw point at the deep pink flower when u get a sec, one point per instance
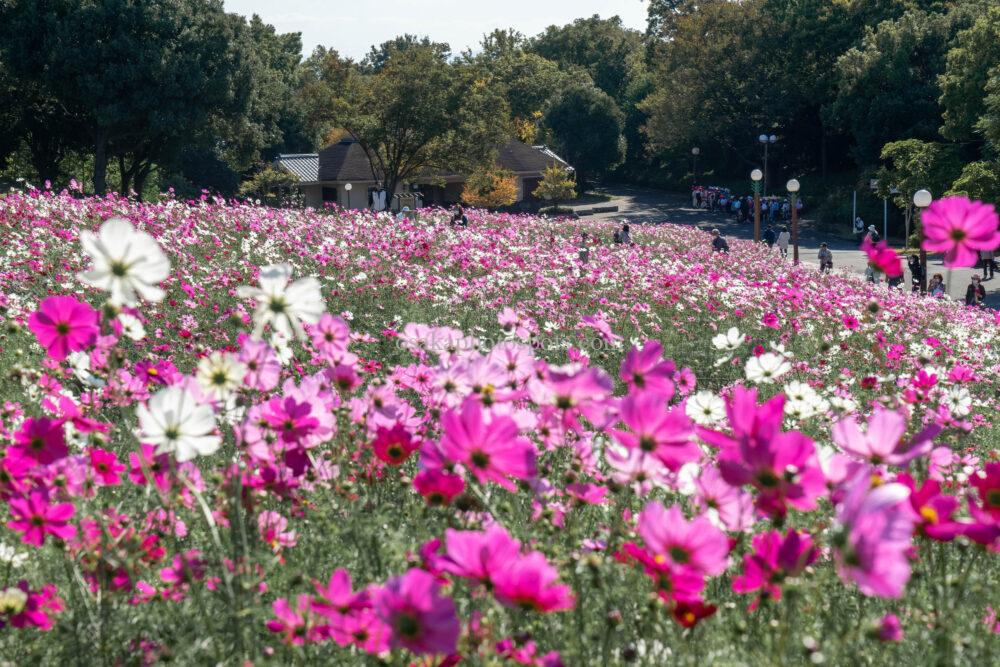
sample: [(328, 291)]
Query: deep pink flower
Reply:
[(672, 583), (960, 228), (933, 509), (337, 597), (774, 559), (874, 536), (667, 434), (881, 442), (107, 469), (688, 613), (40, 439), (882, 258), (985, 528), (273, 529), (438, 487), (39, 607), (492, 451), (696, 545), (782, 467), (330, 337), (292, 622), (421, 619), (645, 370), (36, 518), (63, 325), (479, 555), (394, 445), (529, 583), (889, 629)]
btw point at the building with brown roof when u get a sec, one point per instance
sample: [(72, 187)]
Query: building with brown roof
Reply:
[(323, 177)]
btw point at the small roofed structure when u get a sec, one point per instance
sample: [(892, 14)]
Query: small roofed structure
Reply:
[(324, 177)]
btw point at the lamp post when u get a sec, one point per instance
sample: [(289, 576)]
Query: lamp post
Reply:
[(793, 191), (348, 187), (755, 176), (694, 168), (922, 199), (767, 140)]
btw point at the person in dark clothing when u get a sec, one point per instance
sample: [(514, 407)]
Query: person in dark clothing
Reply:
[(719, 243), (459, 219), (975, 293), (916, 273), (769, 237)]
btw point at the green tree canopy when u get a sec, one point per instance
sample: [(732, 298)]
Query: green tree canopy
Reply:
[(586, 126)]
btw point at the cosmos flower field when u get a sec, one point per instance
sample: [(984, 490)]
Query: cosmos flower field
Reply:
[(240, 435)]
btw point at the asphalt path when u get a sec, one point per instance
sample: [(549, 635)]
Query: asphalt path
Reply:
[(642, 206)]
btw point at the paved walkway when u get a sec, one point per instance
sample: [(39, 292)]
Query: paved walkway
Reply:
[(642, 206)]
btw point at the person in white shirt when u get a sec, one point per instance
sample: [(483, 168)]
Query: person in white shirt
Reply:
[(783, 238)]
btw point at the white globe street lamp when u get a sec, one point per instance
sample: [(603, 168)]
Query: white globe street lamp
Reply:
[(348, 187), (793, 189), (755, 176), (922, 199)]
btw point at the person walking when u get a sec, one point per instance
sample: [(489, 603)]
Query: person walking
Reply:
[(783, 238), (859, 229), (987, 258), (873, 235), (626, 234), (719, 243), (825, 259), (583, 252), (975, 293), (769, 237)]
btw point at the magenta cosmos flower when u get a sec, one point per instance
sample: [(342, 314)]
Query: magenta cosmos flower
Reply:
[(63, 325), (645, 370), (40, 439), (882, 440), (775, 558), (491, 451), (420, 618), (874, 538), (882, 258), (530, 583), (667, 434), (960, 228), (36, 518), (479, 555), (696, 545)]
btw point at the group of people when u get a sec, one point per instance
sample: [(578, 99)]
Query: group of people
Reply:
[(621, 236), (772, 209)]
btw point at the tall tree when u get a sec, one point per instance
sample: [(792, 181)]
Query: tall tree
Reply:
[(411, 110), (586, 126)]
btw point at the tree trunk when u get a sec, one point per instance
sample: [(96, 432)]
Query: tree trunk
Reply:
[(101, 164), (140, 179), (125, 175)]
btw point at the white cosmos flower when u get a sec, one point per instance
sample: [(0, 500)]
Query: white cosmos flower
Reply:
[(126, 261), (705, 408), (175, 422), (844, 405), (959, 401), (11, 556), (131, 326), (282, 305), (799, 391), (220, 374), (730, 340), (766, 368)]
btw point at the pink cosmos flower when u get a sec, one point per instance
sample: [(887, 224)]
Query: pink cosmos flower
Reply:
[(782, 467), (337, 597), (63, 325), (933, 508), (420, 618), (882, 258), (330, 337), (696, 545), (881, 441), (36, 518), (645, 370), (960, 228), (273, 529), (40, 439), (871, 546), (889, 629), (774, 559), (491, 451), (261, 362), (395, 445), (672, 584), (107, 469), (438, 487), (479, 555), (293, 623), (39, 607), (529, 583), (985, 528), (665, 433), (733, 505)]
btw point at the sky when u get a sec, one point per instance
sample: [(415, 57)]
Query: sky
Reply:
[(353, 27)]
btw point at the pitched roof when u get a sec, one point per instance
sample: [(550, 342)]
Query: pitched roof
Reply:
[(346, 161), (519, 157), (304, 165)]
